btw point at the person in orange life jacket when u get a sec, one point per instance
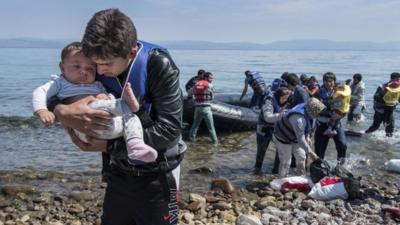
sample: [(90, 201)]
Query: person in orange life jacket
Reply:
[(299, 94), (273, 107), (357, 102), (203, 92), (257, 83), (321, 139), (386, 97), (292, 135), (194, 79), (311, 86), (138, 194)]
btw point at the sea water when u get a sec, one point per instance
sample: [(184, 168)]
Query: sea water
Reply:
[(26, 144)]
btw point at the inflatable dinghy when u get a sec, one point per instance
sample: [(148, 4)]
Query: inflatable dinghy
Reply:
[(227, 117)]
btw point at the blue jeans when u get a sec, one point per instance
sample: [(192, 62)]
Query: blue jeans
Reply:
[(200, 113)]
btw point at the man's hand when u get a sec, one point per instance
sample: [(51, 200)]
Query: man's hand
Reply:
[(80, 116), (313, 156), (45, 116), (130, 98), (93, 145)]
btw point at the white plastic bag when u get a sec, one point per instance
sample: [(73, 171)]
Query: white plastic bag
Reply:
[(329, 188), (393, 165), (297, 183)]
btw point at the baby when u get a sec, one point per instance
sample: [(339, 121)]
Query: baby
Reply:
[(78, 80), (340, 105)]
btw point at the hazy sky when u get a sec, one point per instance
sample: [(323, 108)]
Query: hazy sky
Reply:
[(260, 21)]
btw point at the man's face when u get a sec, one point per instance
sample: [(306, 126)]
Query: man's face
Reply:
[(112, 66), (329, 84), (210, 79), (79, 69)]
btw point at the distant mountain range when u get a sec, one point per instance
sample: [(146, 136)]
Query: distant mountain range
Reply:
[(206, 45)]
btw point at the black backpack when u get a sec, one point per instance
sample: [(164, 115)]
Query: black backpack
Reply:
[(319, 169)]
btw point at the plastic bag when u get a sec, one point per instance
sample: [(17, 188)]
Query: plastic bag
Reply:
[(297, 183), (329, 188), (351, 183), (393, 165)]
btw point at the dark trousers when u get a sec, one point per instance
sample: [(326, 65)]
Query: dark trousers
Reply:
[(255, 100), (386, 117), (321, 140), (350, 115), (140, 200), (262, 146), (105, 170)]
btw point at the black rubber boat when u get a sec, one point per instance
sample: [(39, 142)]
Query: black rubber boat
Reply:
[(229, 113)]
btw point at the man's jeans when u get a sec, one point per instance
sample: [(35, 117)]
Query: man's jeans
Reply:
[(200, 113)]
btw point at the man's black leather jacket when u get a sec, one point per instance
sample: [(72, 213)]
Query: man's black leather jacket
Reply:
[(162, 126)]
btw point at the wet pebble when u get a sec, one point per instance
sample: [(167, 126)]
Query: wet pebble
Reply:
[(13, 190)]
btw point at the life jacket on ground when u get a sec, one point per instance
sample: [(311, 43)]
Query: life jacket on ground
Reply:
[(257, 82), (341, 99), (202, 92), (137, 76), (284, 127), (392, 96)]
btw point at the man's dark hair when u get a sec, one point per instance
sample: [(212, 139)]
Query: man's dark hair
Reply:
[(357, 76), (207, 75), (200, 72), (284, 75), (109, 33), (394, 75), (70, 49), (292, 79), (312, 78), (282, 91), (329, 76)]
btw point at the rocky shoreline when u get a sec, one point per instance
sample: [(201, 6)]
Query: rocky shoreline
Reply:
[(54, 198)]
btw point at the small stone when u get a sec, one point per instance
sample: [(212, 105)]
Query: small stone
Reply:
[(195, 206), (248, 220), (307, 204), (82, 195), (25, 218), (13, 190), (76, 222), (188, 218), (223, 184), (222, 206)]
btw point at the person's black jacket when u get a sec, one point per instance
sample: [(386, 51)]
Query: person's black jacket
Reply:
[(162, 126), (191, 83)]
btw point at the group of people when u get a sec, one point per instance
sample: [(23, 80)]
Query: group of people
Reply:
[(121, 96), (294, 109)]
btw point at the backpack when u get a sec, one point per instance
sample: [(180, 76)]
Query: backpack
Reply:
[(319, 169)]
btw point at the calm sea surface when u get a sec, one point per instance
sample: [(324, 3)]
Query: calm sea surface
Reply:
[(26, 144)]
